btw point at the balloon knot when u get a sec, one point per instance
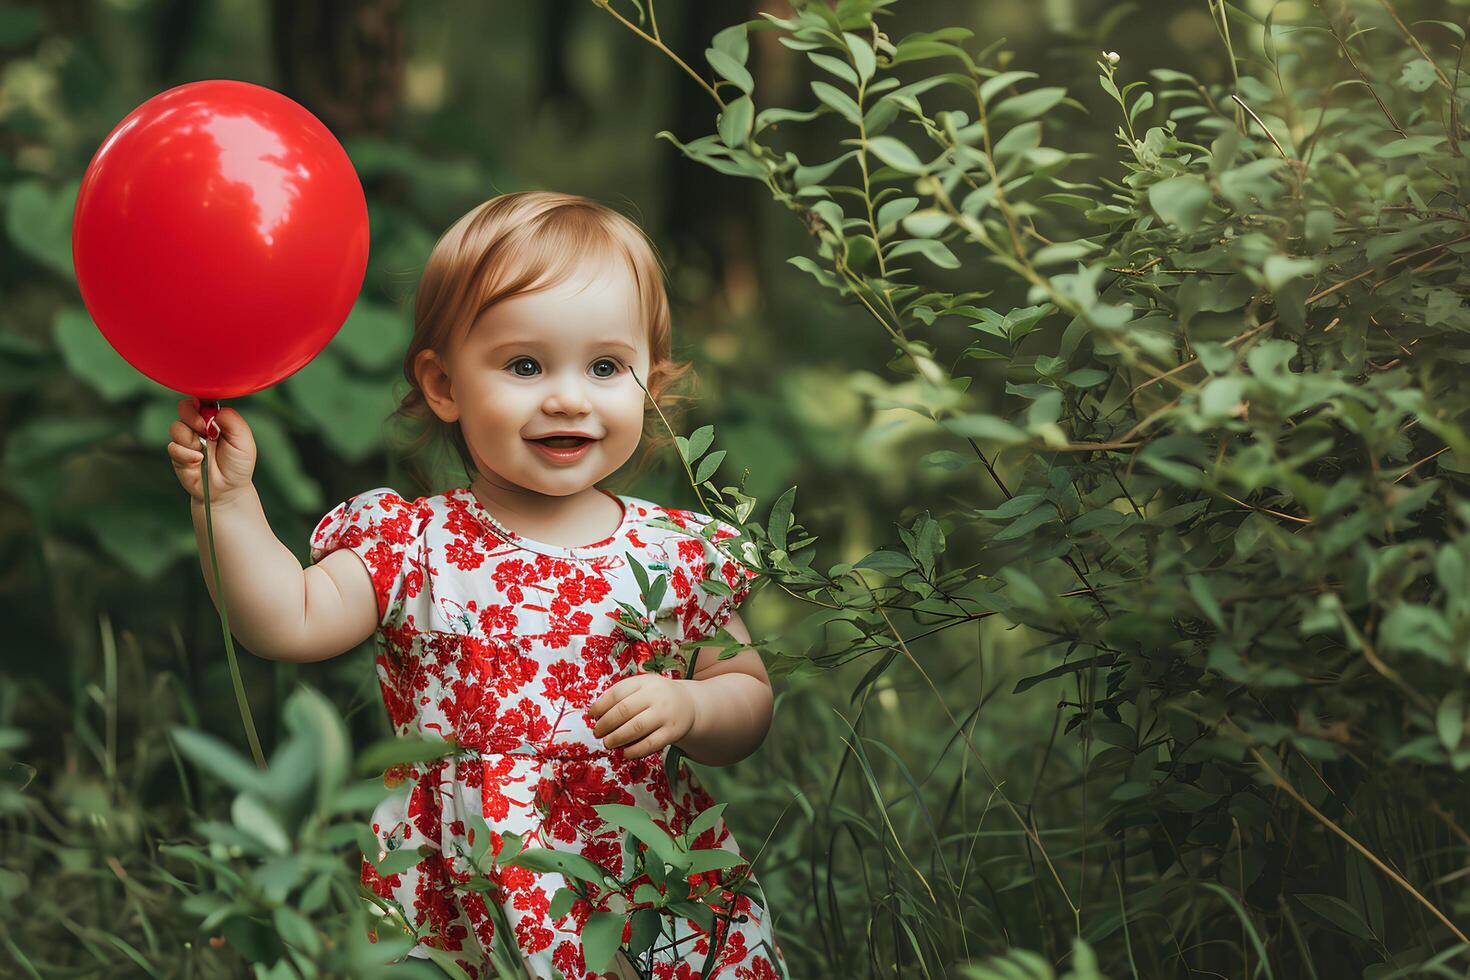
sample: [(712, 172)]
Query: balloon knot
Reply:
[(211, 427)]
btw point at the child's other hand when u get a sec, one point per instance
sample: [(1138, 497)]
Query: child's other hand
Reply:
[(231, 452), (644, 714)]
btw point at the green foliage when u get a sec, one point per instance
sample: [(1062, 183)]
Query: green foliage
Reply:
[(1225, 440), (274, 884)]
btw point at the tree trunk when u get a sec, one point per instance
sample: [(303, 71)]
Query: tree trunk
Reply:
[(342, 59)]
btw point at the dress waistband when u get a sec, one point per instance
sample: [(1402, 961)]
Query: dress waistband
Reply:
[(569, 751)]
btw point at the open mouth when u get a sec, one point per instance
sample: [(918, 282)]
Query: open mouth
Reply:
[(563, 449), (563, 442)]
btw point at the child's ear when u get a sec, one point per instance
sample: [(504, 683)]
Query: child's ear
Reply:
[(438, 390)]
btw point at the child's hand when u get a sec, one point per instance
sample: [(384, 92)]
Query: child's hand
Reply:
[(231, 458), (644, 714)]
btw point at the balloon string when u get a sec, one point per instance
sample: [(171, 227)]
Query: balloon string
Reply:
[(224, 618)]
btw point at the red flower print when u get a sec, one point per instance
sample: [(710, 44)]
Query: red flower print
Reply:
[(381, 886), (501, 648), (531, 936), (760, 969), (734, 951), (564, 682), (568, 959), (497, 620), (567, 799), (463, 555)]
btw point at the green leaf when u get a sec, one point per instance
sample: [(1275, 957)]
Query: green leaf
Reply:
[(918, 49), (1338, 913), (402, 750), (1199, 588), (777, 114), (699, 441), (373, 336), (1408, 146), (1019, 139), (1181, 200), (638, 822), (315, 719), (986, 427), (862, 55), (647, 924), (1417, 76), (349, 413), (138, 531), (735, 121), (891, 563), (708, 465), (89, 356), (896, 155), (1004, 80), (834, 98), (281, 462), (1144, 103), (219, 759), (1058, 252), (834, 66), (1027, 523), (254, 818), (933, 250), (928, 223), (895, 210), (546, 860), (1282, 269), (730, 69), (779, 522), (707, 818), (1028, 105), (562, 902), (733, 41), (38, 221), (601, 937), (296, 930), (1449, 720), (805, 176), (712, 858)]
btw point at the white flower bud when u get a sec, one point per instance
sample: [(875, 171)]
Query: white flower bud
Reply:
[(1112, 57)]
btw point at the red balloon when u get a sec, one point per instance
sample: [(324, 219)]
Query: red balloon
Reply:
[(220, 238)]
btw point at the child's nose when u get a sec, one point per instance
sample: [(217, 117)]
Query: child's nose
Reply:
[(567, 397)]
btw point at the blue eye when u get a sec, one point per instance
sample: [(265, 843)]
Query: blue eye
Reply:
[(608, 360)]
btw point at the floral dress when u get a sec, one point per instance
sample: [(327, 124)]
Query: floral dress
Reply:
[(500, 643)]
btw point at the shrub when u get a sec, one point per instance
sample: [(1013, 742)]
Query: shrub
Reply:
[(1222, 429)]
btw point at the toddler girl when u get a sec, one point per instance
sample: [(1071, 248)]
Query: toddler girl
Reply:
[(497, 605)]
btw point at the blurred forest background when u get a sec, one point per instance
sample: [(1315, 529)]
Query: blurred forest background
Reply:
[(110, 633)]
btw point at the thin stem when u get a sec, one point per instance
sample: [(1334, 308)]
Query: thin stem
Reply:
[(657, 42), (1321, 818), (224, 619)]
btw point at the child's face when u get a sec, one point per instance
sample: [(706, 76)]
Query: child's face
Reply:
[(556, 360)]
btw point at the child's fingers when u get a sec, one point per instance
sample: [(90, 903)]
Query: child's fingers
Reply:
[(190, 418), (182, 434), (184, 456)]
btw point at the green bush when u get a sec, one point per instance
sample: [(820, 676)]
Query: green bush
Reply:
[(1220, 421)]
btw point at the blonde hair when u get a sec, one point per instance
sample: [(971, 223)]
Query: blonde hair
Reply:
[(521, 243)]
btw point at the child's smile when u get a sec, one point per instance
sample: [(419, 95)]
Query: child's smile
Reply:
[(543, 389)]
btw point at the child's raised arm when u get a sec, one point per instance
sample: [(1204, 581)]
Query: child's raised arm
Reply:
[(277, 609)]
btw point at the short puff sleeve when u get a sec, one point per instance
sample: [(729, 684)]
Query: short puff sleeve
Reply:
[(719, 559), (377, 525)]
